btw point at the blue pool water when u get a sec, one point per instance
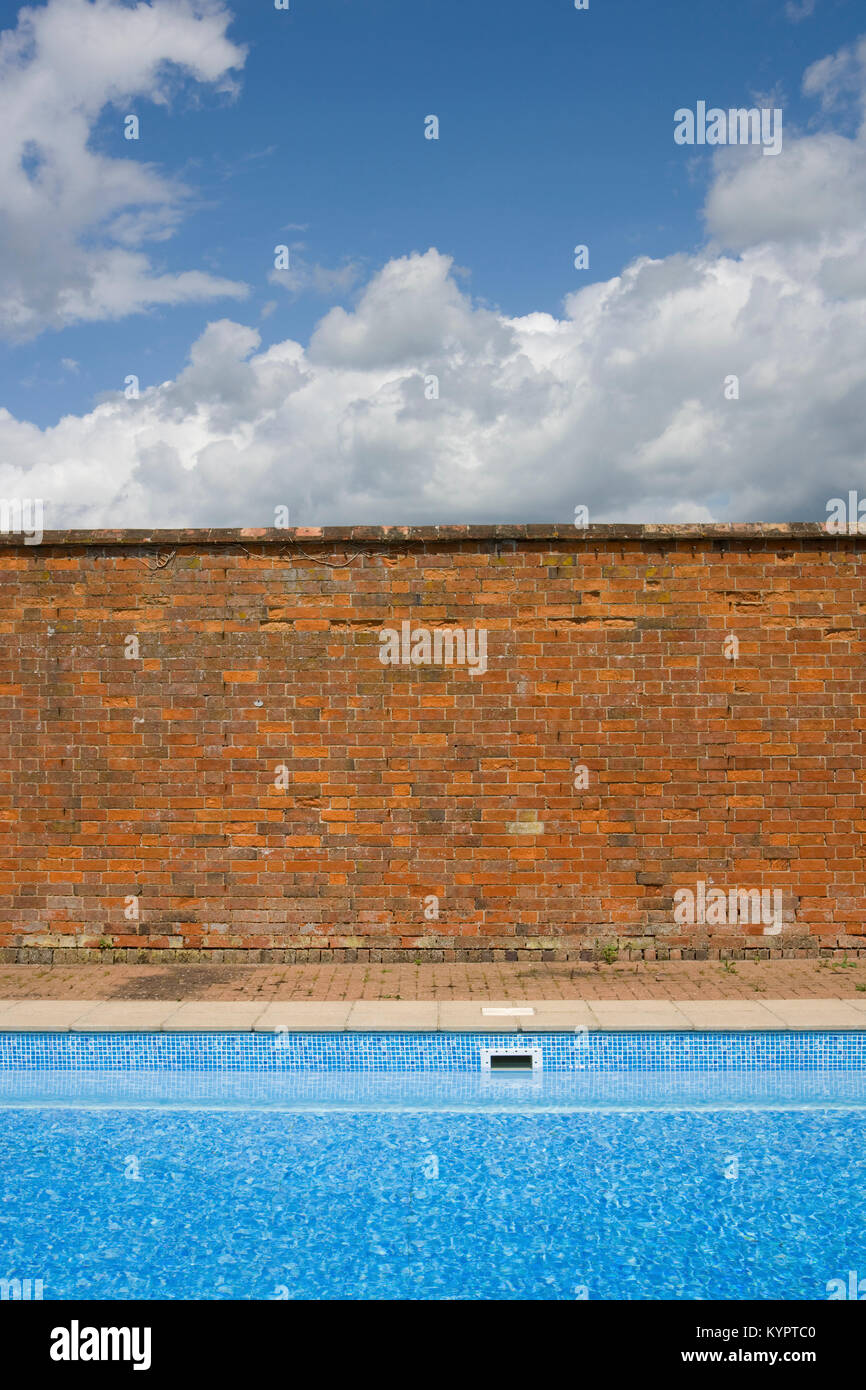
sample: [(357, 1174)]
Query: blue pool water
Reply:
[(723, 1174)]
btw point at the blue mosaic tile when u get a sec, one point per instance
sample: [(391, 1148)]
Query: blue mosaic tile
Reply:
[(424, 1052)]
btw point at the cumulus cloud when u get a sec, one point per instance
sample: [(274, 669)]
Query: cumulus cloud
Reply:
[(420, 405), (72, 220)]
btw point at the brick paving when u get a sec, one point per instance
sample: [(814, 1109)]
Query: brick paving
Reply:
[(771, 979)]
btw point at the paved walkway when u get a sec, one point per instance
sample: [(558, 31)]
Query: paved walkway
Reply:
[(670, 980)]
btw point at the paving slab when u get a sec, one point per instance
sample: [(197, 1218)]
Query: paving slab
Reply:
[(640, 1015), (213, 1016), (304, 1016), (44, 1015), (125, 1016), (551, 1015), (813, 1013), (394, 1016), (734, 1015), (558, 1016), (461, 1016)]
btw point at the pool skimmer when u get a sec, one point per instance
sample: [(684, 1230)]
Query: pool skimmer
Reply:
[(521, 1061)]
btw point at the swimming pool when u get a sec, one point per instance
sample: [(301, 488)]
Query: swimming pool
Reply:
[(385, 1166)]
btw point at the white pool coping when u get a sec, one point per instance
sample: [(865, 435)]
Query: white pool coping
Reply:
[(396, 1016)]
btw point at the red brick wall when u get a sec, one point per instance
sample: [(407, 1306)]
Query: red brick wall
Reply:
[(153, 778)]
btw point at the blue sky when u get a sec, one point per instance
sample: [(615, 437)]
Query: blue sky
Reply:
[(555, 128)]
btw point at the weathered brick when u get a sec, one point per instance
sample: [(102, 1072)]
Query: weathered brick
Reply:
[(153, 782)]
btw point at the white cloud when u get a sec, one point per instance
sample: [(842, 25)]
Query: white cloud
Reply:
[(71, 219), (618, 404), (814, 190), (798, 10), (839, 77), (303, 276)]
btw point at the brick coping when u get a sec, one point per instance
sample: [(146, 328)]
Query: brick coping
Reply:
[(444, 535), (431, 1016)]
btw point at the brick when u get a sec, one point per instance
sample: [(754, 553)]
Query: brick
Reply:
[(154, 778)]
